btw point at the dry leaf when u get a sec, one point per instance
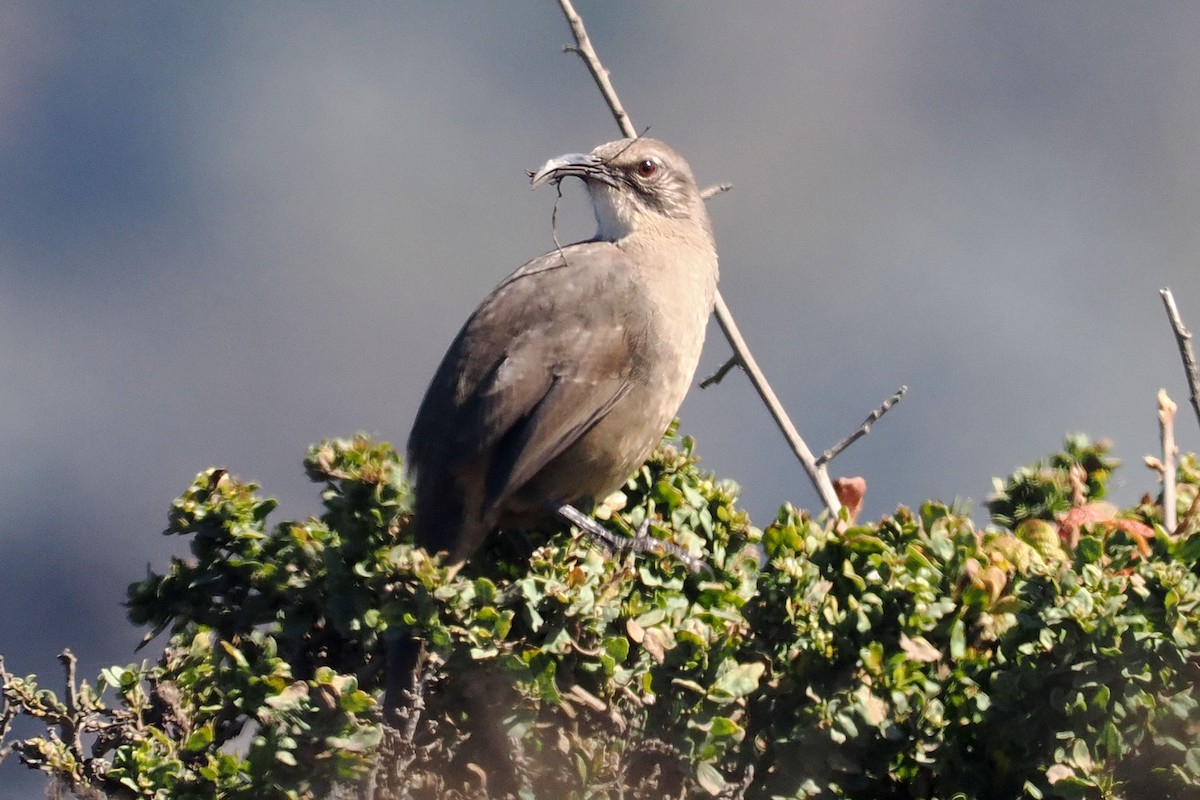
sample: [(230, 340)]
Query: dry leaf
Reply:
[(850, 492), (919, 649)]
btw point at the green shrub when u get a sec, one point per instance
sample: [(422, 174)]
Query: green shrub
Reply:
[(913, 657)]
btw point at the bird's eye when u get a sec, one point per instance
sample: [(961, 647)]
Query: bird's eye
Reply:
[(647, 167)]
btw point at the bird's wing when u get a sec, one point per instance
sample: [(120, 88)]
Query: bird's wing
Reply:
[(570, 406), (542, 359)]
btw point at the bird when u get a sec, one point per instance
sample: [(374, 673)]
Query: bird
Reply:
[(566, 376)]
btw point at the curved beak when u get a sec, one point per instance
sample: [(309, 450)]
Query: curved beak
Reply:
[(584, 166)]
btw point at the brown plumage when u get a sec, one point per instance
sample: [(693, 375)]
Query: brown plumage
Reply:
[(562, 381)]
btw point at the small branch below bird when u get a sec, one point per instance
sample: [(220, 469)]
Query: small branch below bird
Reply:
[(640, 542)]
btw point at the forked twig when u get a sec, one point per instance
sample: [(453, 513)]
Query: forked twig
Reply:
[(1183, 338), (583, 47), (816, 473), (68, 724)]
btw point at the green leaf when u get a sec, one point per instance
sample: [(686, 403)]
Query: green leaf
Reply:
[(739, 681), (200, 739), (958, 639), (724, 727), (236, 654)]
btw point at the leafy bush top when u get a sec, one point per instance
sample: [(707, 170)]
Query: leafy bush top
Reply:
[(916, 656)]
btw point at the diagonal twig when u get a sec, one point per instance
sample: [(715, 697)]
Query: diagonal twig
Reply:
[(583, 47), (713, 191), (1183, 338), (864, 429), (640, 542), (721, 372), (816, 473)]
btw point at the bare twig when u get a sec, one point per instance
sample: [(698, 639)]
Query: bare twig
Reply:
[(721, 372), (1166, 426), (640, 542), (430, 664), (816, 473), (1184, 338), (399, 749), (69, 723), (412, 717), (583, 47), (713, 191), (7, 712), (863, 430), (554, 222)]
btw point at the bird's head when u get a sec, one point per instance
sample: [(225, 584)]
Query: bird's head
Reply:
[(635, 185)]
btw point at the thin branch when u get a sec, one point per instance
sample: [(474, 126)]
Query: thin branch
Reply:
[(721, 372), (584, 49), (816, 473), (640, 542), (1184, 339), (7, 712), (400, 731), (429, 664), (863, 430), (713, 191), (1166, 426), (69, 723)]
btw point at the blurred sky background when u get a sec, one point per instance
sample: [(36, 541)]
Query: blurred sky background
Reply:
[(230, 230)]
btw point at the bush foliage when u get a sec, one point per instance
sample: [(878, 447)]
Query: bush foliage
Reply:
[(1052, 654)]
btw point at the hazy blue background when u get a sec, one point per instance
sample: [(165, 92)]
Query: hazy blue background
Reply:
[(227, 231)]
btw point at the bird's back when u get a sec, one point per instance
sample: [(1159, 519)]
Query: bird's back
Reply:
[(545, 356)]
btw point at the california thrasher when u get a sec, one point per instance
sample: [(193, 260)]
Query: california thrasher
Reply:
[(563, 380)]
